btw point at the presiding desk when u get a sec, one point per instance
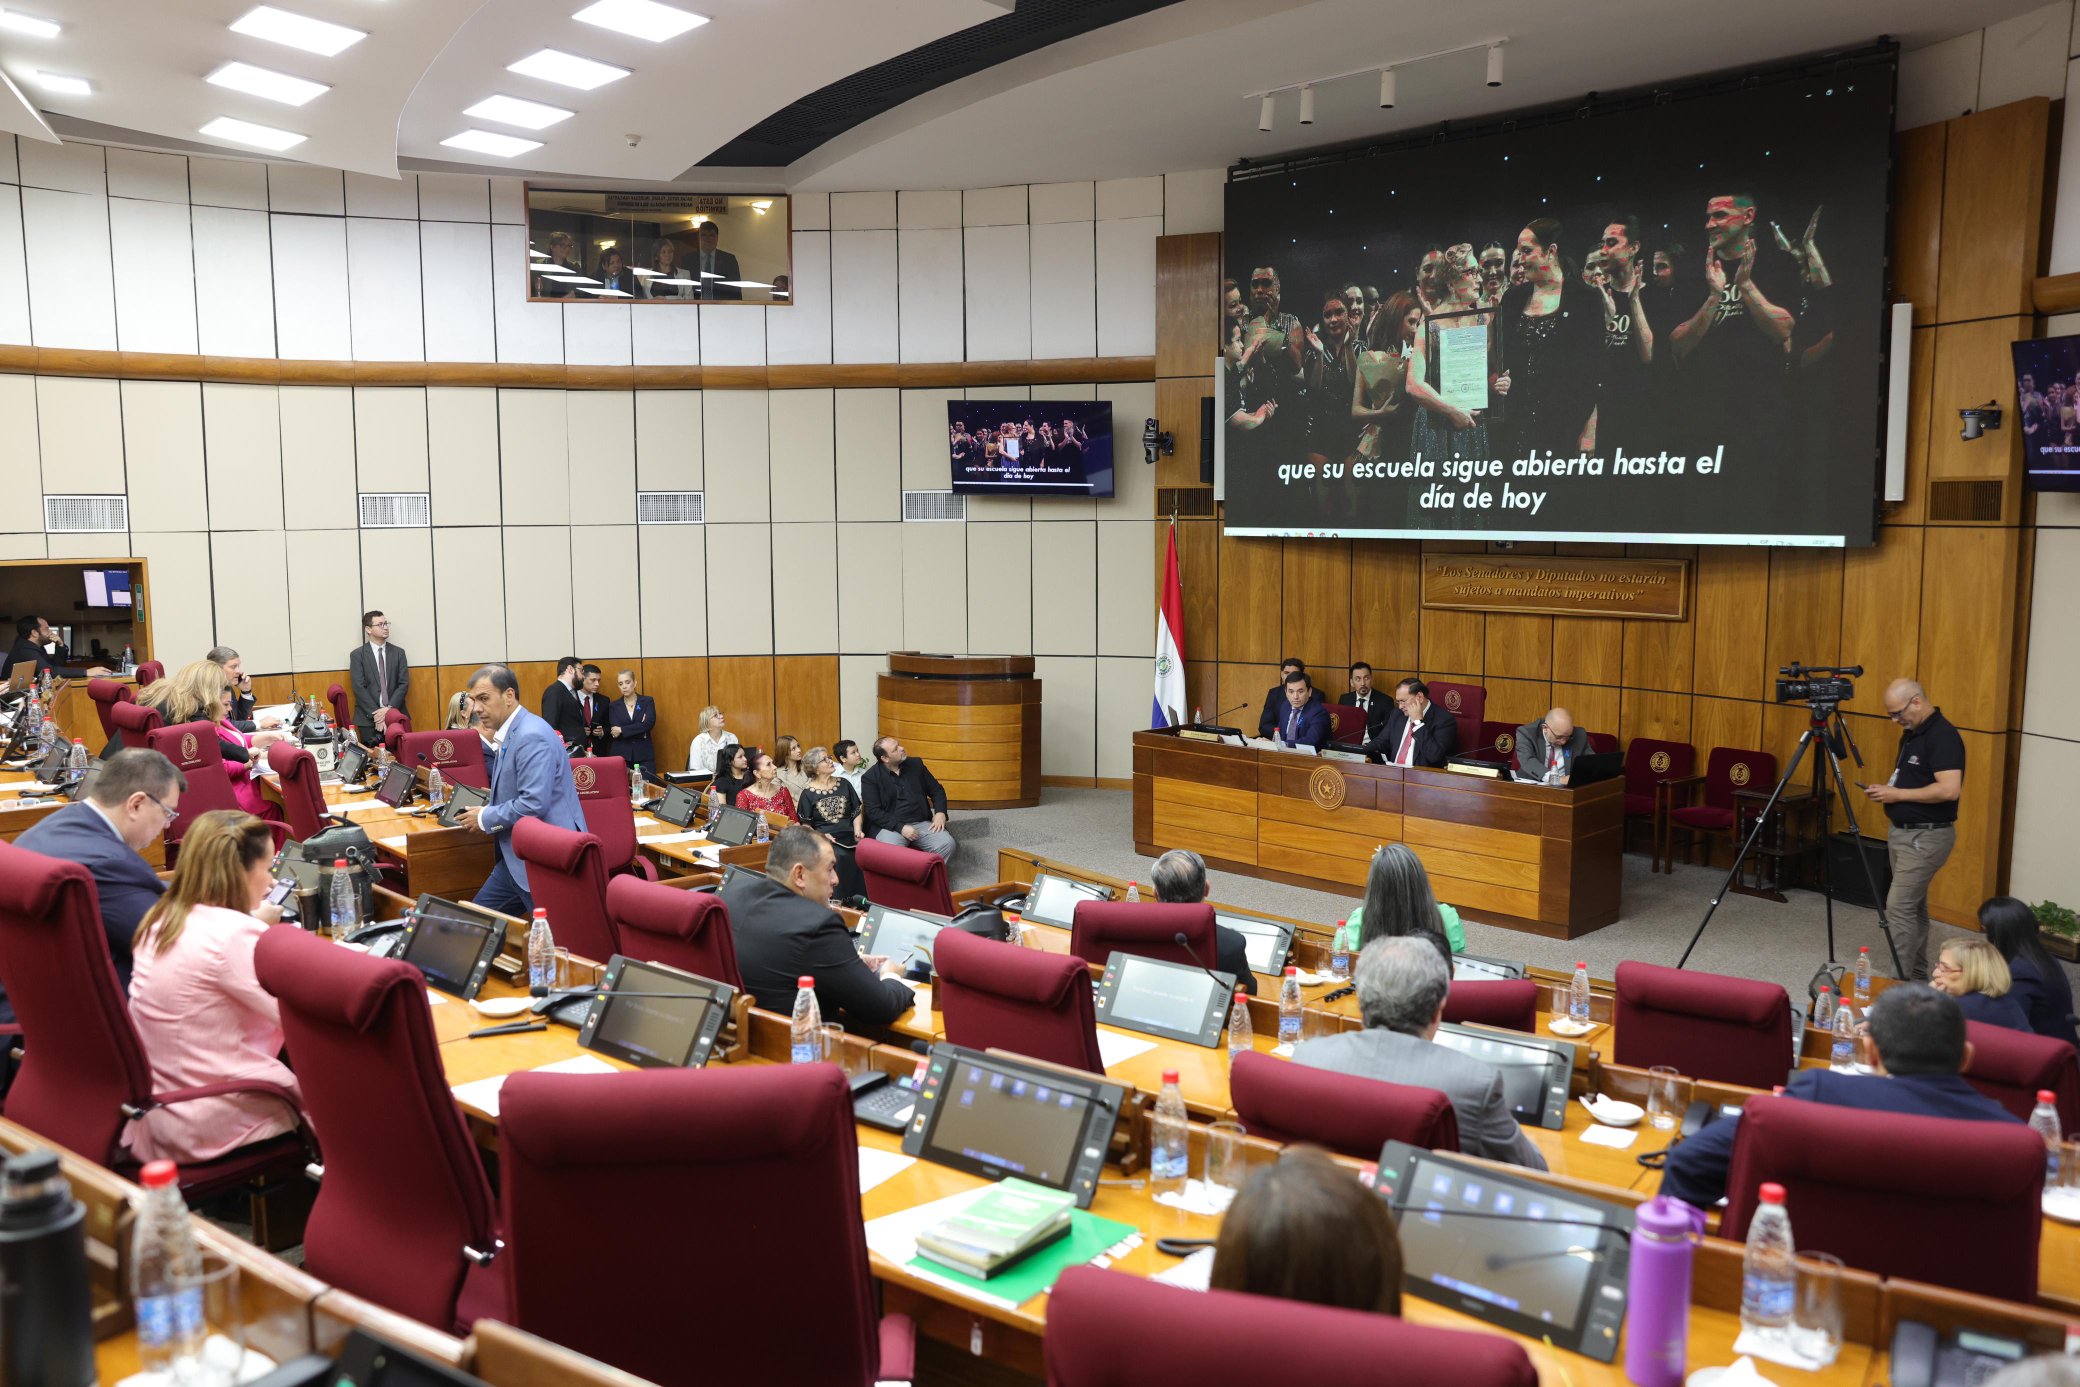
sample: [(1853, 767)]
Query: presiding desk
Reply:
[(1530, 857)]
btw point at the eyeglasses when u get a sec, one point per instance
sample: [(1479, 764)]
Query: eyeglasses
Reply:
[(1899, 714), (1946, 966), (166, 809)]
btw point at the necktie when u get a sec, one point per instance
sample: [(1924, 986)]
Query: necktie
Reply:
[(380, 687), (1292, 724), (1408, 741), (1553, 759)]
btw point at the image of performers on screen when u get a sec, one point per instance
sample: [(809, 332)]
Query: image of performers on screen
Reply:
[(2047, 392)]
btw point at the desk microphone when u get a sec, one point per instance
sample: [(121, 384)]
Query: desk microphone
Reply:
[(1225, 711), (1186, 945)]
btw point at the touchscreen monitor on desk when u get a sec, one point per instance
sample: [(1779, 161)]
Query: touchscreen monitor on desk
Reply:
[(1266, 941), (397, 785), (654, 1016), (1478, 967), (1175, 1000), (1052, 900), (1535, 1071), (732, 827), (993, 1114), (452, 944), (900, 936)]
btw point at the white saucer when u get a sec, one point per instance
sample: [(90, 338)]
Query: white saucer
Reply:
[(1562, 1025), (501, 1006), (2061, 1208), (1612, 1112)]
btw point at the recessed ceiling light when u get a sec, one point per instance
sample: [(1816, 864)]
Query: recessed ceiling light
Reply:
[(643, 19), (297, 31), (538, 254), (28, 24), (489, 142), (511, 110), (565, 69), (262, 82), (64, 86), (245, 132)]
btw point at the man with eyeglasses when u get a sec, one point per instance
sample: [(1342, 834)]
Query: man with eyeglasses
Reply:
[(1921, 801), (1547, 749), (1417, 732)]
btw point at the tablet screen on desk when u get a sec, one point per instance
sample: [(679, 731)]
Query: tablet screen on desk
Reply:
[(654, 1016), (900, 936), (1475, 967), (678, 806), (1266, 940), (353, 764), (461, 797), (397, 785), (1173, 1000), (452, 944), (1535, 1071), (1052, 900), (732, 827), (996, 1115)]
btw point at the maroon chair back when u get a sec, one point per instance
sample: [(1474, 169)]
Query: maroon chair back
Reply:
[(680, 929), (194, 749), (2011, 1067), (903, 878), (395, 725), (1346, 724), (1602, 743), (997, 995), (1468, 705), (760, 1160), (303, 798), (1497, 743), (342, 710), (1944, 1200), (566, 877), (1705, 1025), (150, 672), (1142, 927), (404, 1193), (457, 755), (107, 693), (1281, 1101), (135, 723), (1648, 761), (1511, 1003), (1729, 769), (1110, 1329), (602, 783)]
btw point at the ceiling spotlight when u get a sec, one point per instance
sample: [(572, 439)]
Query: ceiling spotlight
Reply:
[(63, 86), (297, 31), (552, 65), (246, 132), (1494, 64), (1307, 105), (266, 84), (1386, 89), (1264, 112), (17, 22)]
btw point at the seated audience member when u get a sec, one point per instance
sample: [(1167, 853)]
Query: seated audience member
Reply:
[(1973, 971), (631, 719), (732, 773), (133, 800), (1180, 879), (785, 930), (828, 803), (242, 699), (1398, 900), (788, 752), (1273, 716), (765, 794), (1304, 721), (1303, 1228), (460, 715), (200, 691), (1402, 984), (852, 763), (36, 642), (2040, 986), (903, 801), (1366, 699), (1918, 1033), (198, 1007), (700, 757), (1547, 749), (1417, 732)]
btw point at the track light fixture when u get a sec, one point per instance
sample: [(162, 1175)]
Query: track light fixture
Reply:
[(1264, 114), (1494, 64), (1386, 89), (1387, 80), (1307, 105)]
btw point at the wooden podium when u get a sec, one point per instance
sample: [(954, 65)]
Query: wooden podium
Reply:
[(974, 719)]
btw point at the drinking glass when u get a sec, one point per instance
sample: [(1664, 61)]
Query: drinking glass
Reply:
[(2062, 1194), (1225, 1166), (221, 1350), (1668, 1094), (834, 1049), (1816, 1323)]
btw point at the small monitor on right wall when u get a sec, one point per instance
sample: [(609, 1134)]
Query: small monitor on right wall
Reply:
[(2047, 411)]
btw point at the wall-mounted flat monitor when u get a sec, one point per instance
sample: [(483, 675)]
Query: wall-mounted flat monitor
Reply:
[(1030, 447), (2047, 412), (107, 587), (591, 245)]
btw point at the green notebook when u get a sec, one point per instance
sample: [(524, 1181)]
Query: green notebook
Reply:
[(1088, 1236)]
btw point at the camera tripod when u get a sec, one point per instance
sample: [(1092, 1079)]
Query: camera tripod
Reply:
[(1825, 726)]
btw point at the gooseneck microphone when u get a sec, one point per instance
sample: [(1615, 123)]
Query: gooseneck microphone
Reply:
[(1221, 978)]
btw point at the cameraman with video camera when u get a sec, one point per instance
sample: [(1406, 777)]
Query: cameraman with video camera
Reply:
[(1921, 801)]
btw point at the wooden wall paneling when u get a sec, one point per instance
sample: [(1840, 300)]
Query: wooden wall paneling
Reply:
[(1519, 647), (1968, 605), (1657, 654), (1188, 283), (1251, 594), (1453, 641), (1516, 700), (1805, 612), (1386, 588), (276, 688), (1973, 365), (535, 677), (1993, 210), (1588, 649), (1199, 575), (742, 686), (1724, 722), (1917, 217), (1731, 613), (1782, 725), (450, 679), (1246, 685), (426, 700), (1177, 414), (680, 686), (1201, 690), (1881, 608), (1921, 377), (1877, 737), (1315, 612), (317, 681), (805, 701), (1595, 707), (1974, 870), (1662, 716)]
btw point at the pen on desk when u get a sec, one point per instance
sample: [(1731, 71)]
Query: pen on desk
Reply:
[(511, 1028)]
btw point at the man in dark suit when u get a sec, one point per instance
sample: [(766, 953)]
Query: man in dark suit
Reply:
[(1546, 750), (593, 704), (34, 641), (785, 930), (1374, 704), (563, 711), (530, 779), (380, 675), (242, 700), (1918, 1033), (1275, 700), (1417, 732), (712, 266), (135, 796), (903, 803), (1304, 721), (1180, 879)]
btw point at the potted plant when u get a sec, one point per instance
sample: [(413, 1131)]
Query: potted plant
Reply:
[(2060, 928)]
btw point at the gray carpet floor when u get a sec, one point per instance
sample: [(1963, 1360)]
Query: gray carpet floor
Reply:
[(1748, 936)]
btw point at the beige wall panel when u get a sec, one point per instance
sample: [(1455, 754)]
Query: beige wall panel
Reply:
[(21, 466), (24, 547), (390, 438), (1065, 567), (325, 599), (870, 614), (2051, 699), (803, 454), (1001, 593), (805, 588), (252, 598), (668, 440), (935, 601), (318, 468), (869, 447), (734, 445), (397, 580), (242, 451), (858, 699), (603, 574), (1126, 580), (534, 457), (181, 598), (462, 455), (674, 590), (1123, 702), (2045, 865), (80, 425), (162, 441), (603, 457), (1068, 714), (740, 589), (538, 593), (927, 466)]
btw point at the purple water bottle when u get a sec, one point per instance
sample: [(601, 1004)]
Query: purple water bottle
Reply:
[(1657, 1291)]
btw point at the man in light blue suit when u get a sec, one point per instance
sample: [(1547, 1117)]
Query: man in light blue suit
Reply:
[(530, 779)]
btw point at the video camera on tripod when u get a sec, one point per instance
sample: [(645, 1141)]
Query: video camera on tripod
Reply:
[(1823, 686)]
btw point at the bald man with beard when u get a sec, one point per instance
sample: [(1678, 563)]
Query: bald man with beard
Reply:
[(1921, 801)]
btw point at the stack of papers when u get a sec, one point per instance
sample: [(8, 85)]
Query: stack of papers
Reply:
[(482, 1094), (1116, 1047)]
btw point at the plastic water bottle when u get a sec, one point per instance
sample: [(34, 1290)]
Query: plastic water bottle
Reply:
[(77, 764), (162, 1246), (1578, 995), (344, 913), (805, 1030), (1842, 1059), (47, 738), (1340, 952), (635, 784), (129, 665), (1133, 893), (1769, 1271), (1289, 1007), (1823, 1009), (1240, 1036), (541, 955), (765, 830), (1169, 1154), (2043, 1120), (436, 792), (1863, 976)]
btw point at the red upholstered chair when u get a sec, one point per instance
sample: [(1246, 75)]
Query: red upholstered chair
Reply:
[(1705, 1025), (195, 751), (1937, 1199), (150, 672), (342, 710), (1650, 764), (1142, 927), (134, 722), (1468, 705), (602, 783), (1727, 770), (84, 1074), (904, 878), (680, 929), (457, 755), (2011, 1067), (1281, 1101), (565, 877), (1602, 743), (1109, 1329), (1497, 744), (1000, 996), (1511, 1003), (106, 693), (303, 798), (761, 1160), (1346, 724), (404, 1215), (395, 725)]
